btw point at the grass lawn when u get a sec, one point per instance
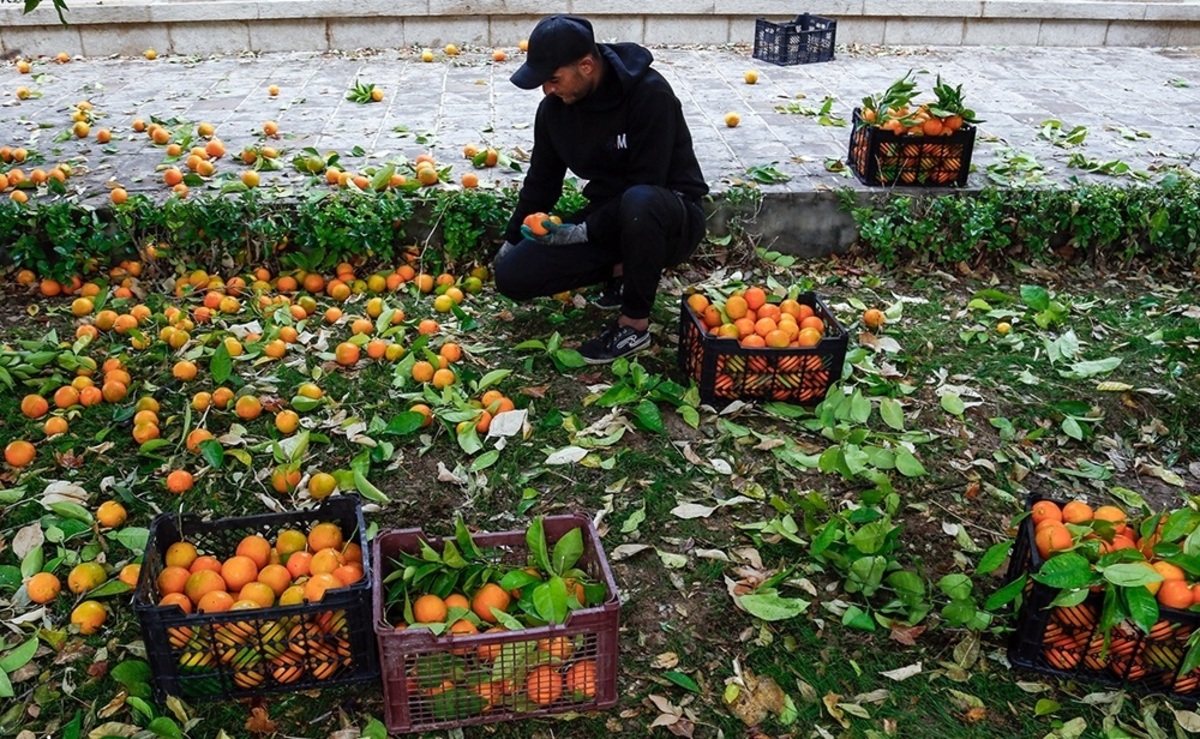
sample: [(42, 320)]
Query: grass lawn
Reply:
[(938, 430)]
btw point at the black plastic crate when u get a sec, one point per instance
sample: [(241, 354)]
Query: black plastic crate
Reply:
[(881, 157), (250, 652), (726, 371), (808, 39), (1067, 641)]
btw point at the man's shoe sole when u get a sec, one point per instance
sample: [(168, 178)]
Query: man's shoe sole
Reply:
[(610, 360)]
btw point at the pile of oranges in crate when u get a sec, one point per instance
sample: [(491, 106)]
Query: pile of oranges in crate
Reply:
[(1134, 563), (297, 568), (748, 317)]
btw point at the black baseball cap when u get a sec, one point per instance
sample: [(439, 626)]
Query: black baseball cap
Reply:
[(556, 41)]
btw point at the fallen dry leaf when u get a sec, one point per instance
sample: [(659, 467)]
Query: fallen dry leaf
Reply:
[(259, 722)]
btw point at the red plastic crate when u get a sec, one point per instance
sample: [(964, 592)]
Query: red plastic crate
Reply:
[(726, 371), (440, 682), (1067, 641), (881, 157), (241, 653)]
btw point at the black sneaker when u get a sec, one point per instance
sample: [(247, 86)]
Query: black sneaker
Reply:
[(610, 297), (616, 341)]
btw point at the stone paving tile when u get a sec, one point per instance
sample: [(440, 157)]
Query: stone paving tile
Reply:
[(448, 104)]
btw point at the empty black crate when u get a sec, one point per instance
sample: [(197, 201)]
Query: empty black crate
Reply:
[(882, 157), (202, 656), (807, 39), (726, 371)]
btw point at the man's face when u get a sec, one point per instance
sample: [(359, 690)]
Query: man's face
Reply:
[(573, 82)]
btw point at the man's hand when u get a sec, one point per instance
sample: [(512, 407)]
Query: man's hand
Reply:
[(558, 234)]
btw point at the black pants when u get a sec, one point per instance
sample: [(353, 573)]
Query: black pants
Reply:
[(647, 229)]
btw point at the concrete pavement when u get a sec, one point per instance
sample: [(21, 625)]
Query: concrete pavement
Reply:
[(1136, 105)]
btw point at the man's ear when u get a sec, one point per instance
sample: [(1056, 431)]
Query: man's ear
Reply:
[(587, 65)]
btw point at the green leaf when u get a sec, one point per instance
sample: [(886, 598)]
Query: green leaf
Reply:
[(405, 423), (6, 688), (110, 587), (1035, 297), (1143, 608), (213, 453), (953, 404), (567, 550), (771, 606), (892, 413), (132, 673), (32, 563), (993, 558), (550, 600), (374, 730), (72, 511), (491, 378), (1045, 707), (908, 464), (857, 618), (682, 680), (165, 727), (535, 541), (485, 460), (1066, 570), (648, 417), (1006, 594), (221, 364), (1128, 575), (20, 656), (369, 491)]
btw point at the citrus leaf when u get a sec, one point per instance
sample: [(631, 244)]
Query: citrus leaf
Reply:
[(682, 680)]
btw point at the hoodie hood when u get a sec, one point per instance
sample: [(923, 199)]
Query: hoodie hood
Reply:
[(626, 64)]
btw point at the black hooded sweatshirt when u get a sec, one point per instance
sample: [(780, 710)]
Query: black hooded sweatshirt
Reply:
[(629, 131)]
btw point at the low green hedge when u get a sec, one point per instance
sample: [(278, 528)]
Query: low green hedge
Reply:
[(1109, 226)]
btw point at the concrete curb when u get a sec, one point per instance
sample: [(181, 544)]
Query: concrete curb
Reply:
[(107, 27)]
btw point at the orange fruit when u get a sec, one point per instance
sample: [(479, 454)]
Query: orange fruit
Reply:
[(736, 307), (275, 576), (19, 453), (325, 535), (86, 576), (43, 587), (216, 601), (248, 407), (1077, 512), (1112, 514), (257, 592), (34, 406), (172, 580), (89, 616), (314, 589), (349, 573), (755, 298), (488, 597), (429, 609), (581, 678), (181, 554), (347, 354), (202, 582), (129, 574), (1045, 509), (257, 548), (326, 560), (1052, 539), (873, 318), (205, 562), (297, 564), (195, 437), (237, 571), (1175, 594), (111, 514), (179, 481), (544, 685)]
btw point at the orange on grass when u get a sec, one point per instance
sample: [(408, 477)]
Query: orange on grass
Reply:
[(428, 326), (488, 597), (581, 678), (873, 318), (19, 453), (195, 437), (321, 485), (86, 576), (424, 410), (43, 587), (284, 479), (257, 548), (55, 425), (544, 685), (422, 371), (287, 421), (221, 397), (451, 351), (111, 514), (347, 354), (180, 481), (443, 378), (129, 574), (89, 616), (429, 609), (248, 407), (34, 406)]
